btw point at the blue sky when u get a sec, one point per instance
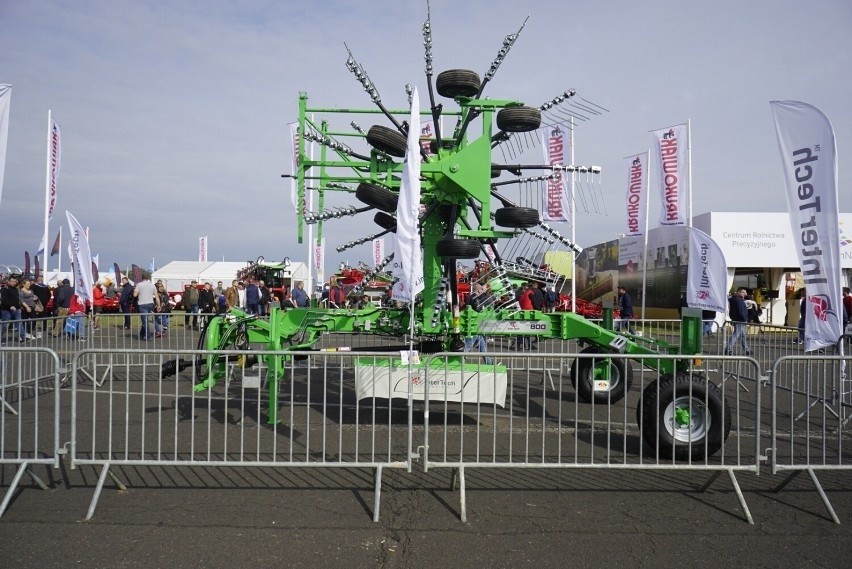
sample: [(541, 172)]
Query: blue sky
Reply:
[(174, 115)]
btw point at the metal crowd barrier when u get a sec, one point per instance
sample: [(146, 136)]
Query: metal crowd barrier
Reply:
[(149, 414), (811, 408), (29, 413), (518, 417)]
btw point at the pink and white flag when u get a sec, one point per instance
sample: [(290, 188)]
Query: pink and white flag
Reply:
[(809, 163), (670, 173), (202, 249), (54, 158), (427, 132), (319, 254), (554, 144), (637, 194), (378, 251), (5, 104)]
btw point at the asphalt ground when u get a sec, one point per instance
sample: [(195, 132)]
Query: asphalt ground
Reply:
[(322, 517)]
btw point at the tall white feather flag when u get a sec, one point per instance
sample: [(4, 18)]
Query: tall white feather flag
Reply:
[(81, 257), (408, 257), (809, 162), (5, 103)]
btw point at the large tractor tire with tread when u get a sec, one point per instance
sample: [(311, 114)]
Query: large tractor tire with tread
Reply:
[(457, 83), (387, 140), (586, 374), (686, 415), (377, 197), (458, 248), (523, 217), (518, 119), (385, 220)]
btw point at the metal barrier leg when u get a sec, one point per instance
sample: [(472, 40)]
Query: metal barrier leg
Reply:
[(8, 498), (37, 480), (737, 490), (462, 497), (377, 500), (822, 495), (100, 486), (7, 406)]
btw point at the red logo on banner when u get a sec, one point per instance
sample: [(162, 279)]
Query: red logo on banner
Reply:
[(821, 307), (703, 295)]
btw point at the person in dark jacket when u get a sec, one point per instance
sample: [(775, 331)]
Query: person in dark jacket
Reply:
[(10, 308), (803, 307), (206, 302), (62, 299), (738, 314), (625, 307), (125, 300)]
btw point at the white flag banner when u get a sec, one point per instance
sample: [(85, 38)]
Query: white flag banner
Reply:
[(670, 174), (809, 163), (637, 196), (81, 259), (707, 273), (54, 158), (407, 257), (5, 104), (319, 254), (202, 249), (554, 144), (378, 251), (294, 162), (40, 248)]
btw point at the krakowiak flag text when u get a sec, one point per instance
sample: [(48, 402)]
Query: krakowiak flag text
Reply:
[(671, 174), (554, 145), (637, 194)]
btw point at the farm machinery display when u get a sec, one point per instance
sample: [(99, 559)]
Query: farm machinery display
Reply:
[(466, 212)]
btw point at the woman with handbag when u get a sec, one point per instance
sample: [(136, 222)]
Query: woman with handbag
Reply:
[(28, 307)]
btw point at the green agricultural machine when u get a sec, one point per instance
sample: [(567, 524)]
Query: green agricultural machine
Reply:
[(463, 215)]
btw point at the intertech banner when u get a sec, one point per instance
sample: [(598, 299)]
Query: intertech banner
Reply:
[(81, 259), (707, 273), (554, 143), (809, 164), (670, 174), (637, 195)]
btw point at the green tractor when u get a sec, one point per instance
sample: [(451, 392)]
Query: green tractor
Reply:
[(463, 215)]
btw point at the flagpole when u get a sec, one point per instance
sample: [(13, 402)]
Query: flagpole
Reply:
[(645, 246), (573, 223), (689, 165), (59, 270), (47, 187)]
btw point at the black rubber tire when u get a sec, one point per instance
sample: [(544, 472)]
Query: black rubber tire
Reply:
[(454, 83), (523, 217), (518, 119), (385, 221), (583, 377), (387, 140), (458, 248), (701, 397), (376, 196)]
